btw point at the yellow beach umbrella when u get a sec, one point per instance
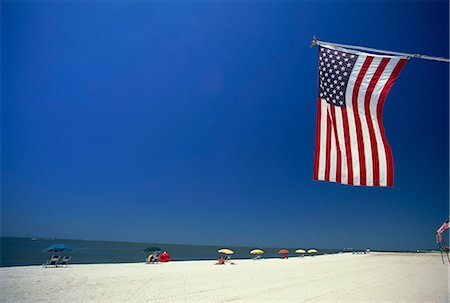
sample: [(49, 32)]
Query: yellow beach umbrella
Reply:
[(257, 252), (225, 251), (312, 251), (300, 251)]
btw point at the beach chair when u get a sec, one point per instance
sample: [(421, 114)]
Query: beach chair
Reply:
[(53, 262), (65, 260), (152, 259)]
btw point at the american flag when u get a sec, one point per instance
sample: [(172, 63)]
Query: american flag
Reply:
[(351, 145)]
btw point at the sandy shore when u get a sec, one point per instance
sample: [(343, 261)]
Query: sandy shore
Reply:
[(378, 277)]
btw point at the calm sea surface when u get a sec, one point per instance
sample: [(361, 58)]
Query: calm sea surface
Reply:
[(28, 251)]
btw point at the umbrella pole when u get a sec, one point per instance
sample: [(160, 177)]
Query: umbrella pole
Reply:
[(446, 252), (440, 250)]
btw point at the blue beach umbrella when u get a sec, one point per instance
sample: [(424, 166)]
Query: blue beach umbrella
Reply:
[(57, 248)]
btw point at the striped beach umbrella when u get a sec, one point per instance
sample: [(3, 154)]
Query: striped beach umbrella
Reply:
[(300, 251), (312, 251), (257, 252)]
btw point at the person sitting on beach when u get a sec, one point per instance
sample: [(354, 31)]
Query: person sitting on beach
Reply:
[(164, 257), (220, 261)]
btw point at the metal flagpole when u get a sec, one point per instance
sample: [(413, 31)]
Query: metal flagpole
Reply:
[(418, 56)]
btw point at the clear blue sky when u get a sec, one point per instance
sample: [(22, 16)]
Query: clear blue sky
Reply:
[(194, 122)]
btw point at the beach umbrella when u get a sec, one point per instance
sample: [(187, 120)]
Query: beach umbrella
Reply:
[(57, 248), (283, 251), (312, 251), (152, 249), (225, 251), (300, 251), (257, 252)]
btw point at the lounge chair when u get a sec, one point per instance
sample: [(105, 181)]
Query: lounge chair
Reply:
[(53, 262), (65, 260), (152, 259)]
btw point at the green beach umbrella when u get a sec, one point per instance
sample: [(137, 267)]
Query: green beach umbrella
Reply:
[(57, 248), (152, 249)]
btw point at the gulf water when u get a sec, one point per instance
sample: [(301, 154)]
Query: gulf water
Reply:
[(28, 251)]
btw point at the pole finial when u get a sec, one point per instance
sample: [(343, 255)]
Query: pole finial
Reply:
[(313, 42)]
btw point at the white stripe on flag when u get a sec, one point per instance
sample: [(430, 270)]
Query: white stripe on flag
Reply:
[(341, 143), (323, 139), (333, 152), (351, 119)]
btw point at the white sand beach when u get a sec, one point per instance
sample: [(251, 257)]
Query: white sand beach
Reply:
[(376, 277)]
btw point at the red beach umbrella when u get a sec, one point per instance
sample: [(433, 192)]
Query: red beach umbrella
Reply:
[(283, 251)]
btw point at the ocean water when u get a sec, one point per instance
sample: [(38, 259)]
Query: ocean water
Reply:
[(28, 251)]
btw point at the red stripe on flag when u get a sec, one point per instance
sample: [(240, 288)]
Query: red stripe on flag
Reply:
[(362, 159), (384, 92), (317, 153), (338, 149), (348, 150), (328, 149), (373, 141)]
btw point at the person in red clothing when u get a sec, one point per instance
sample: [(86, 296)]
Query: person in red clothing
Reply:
[(164, 257)]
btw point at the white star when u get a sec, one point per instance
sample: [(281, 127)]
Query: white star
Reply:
[(341, 102), (339, 78), (348, 64), (352, 56), (342, 83), (342, 68), (335, 81), (328, 51), (345, 74), (341, 93)]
